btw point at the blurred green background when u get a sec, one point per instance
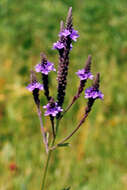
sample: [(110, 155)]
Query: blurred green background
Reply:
[(97, 158)]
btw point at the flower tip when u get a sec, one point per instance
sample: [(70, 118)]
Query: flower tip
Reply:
[(98, 75), (89, 57), (96, 81), (70, 9), (61, 26)]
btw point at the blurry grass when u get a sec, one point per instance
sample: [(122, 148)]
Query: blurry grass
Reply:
[(97, 158)]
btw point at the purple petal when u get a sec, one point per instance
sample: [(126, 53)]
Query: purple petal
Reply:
[(74, 35), (58, 45), (45, 68), (83, 75), (35, 85), (64, 33), (52, 110), (92, 93)]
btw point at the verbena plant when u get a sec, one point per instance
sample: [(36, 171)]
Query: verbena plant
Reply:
[(53, 108)]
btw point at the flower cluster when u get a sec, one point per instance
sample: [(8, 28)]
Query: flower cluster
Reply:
[(93, 93), (66, 35), (73, 35), (58, 45), (53, 108), (84, 74), (45, 68), (35, 85)]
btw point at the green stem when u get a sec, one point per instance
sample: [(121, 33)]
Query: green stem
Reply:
[(46, 169), (57, 125), (48, 158)]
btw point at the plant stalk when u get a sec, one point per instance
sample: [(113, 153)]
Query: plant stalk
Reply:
[(46, 169), (42, 130), (71, 134), (48, 158)]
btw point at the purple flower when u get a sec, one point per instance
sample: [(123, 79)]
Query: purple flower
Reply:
[(58, 45), (64, 33), (34, 85), (83, 74), (52, 109), (45, 68), (74, 35), (93, 93)]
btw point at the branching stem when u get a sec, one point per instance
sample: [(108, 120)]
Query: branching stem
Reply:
[(71, 134)]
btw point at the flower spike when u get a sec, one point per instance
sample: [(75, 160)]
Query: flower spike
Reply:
[(35, 87), (93, 92), (69, 19)]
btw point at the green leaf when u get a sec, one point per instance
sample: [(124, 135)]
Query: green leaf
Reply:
[(68, 188), (64, 144)]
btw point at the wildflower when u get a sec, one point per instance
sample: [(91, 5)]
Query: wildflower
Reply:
[(84, 74), (34, 85), (93, 93), (74, 35), (64, 58), (52, 108), (58, 45), (45, 68), (64, 33)]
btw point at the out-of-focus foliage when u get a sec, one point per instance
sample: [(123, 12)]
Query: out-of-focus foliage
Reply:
[(97, 157)]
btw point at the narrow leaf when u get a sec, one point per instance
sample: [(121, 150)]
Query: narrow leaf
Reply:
[(63, 145)]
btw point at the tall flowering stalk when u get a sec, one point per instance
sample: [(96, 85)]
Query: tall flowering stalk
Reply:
[(53, 108), (64, 45)]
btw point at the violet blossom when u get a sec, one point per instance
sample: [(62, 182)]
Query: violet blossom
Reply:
[(58, 45), (35, 85), (64, 33), (52, 109), (45, 68), (84, 74), (74, 35), (93, 93)]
